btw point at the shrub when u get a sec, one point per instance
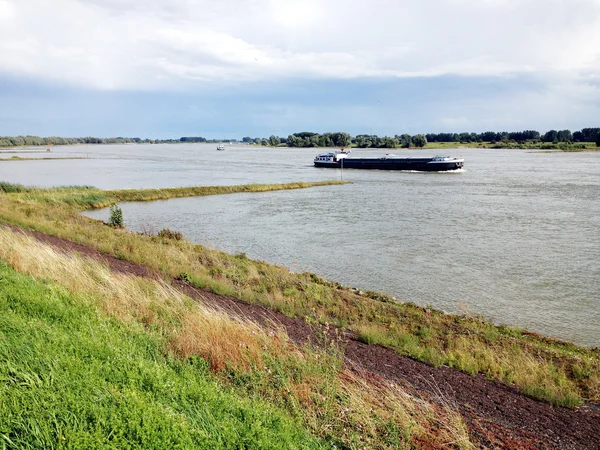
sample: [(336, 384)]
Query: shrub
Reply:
[(185, 277), (170, 234), (9, 188), (116, 216)]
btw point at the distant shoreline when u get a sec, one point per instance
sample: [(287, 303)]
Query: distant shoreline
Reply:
[(539, 148), (18, 158)]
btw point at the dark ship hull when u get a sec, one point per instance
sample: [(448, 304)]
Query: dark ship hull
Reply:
[(433, 164)]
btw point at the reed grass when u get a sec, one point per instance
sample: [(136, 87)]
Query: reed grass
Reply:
[(558, 372), (298, 385)]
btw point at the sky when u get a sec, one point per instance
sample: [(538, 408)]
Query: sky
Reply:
[(234, 68)]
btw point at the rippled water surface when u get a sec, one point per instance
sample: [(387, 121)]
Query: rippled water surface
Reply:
[(514, 237)]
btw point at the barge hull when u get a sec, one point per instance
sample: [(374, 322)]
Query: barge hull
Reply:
[(424, 165)]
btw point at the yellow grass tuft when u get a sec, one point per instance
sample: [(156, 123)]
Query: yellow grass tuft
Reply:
[(225, 343)]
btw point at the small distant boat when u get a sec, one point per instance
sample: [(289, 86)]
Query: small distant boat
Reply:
[(220, 147), (341, 159)]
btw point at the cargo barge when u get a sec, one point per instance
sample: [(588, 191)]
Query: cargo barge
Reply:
[(341, 159)]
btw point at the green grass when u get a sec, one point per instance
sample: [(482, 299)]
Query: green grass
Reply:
[(543, 368), (73, 378)]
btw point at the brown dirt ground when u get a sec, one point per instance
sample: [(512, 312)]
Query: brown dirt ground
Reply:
[(497, 415)]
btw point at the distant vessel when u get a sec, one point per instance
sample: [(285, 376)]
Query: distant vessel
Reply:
[(220, 147), (341, 159)]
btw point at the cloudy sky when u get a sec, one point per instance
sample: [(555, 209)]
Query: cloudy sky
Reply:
[(231, 68)]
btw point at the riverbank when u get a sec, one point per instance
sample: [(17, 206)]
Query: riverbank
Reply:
[(158, 356), (496, 416), (557, 372)]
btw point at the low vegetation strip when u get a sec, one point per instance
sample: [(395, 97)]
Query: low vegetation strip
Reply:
[(94, 358), (20, 158), (557, 372), (90, 197)]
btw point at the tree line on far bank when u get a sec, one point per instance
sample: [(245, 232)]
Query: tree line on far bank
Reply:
[(31, 141), (342, 139), (19, 141)]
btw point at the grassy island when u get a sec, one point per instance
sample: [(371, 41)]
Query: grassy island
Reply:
[(20, 158), (161, 353)]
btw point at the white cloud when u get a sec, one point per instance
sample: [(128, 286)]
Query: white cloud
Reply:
[(164, 44), (7, 10)]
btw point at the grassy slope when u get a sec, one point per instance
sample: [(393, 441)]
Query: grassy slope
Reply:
[(89, 358), (560, 373), (73, 378)]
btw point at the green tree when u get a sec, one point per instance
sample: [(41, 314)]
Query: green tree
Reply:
[(550, 136), (313, 141), (341, 139), (405, 141), (363, 141), (419, 140), (294, 141), (274, 141), (564, 136), (598, 140), (465, 137), (389, 142), (589, 134), (325, 140), (116, 216)]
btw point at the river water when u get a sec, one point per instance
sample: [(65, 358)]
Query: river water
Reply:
[(514, 237)]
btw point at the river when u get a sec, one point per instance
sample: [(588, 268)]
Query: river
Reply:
[(514, 237)]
